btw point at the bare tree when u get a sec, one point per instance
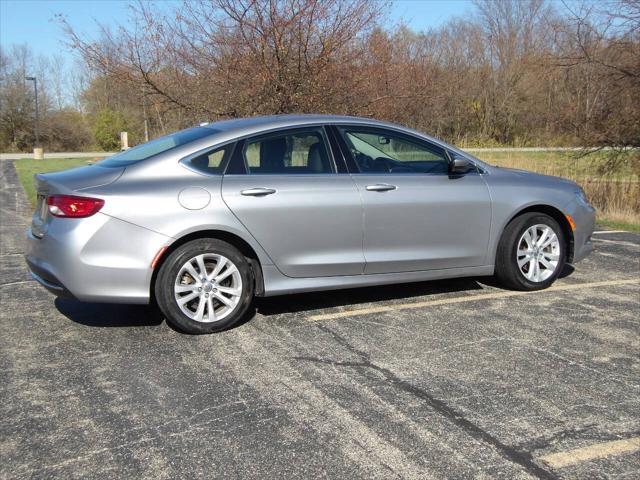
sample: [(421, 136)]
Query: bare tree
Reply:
[(601, 46), (58, 79), (221, 58), (60, 127)]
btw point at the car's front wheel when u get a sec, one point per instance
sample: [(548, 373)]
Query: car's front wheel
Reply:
[(204, 286), (531, 253)]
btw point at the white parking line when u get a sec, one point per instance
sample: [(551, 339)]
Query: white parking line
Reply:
[(592, 452), (468, 298), (9, 284), (616, 242), (602, 232)]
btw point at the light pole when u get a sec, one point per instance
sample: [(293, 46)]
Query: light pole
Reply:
[(35, 89)]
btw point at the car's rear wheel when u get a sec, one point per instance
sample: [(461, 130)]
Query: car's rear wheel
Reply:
[(204, 286), (531, 253)]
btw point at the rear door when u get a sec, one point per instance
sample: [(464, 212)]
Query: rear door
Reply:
[(416, 216), (302, 207)]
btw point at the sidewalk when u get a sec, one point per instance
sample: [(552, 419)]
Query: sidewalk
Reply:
[(15, 212), (16, 156)]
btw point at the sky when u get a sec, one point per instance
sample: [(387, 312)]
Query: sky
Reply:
[(33, 21)]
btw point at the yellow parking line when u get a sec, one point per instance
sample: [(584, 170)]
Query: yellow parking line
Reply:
[(469, 298), (592, 452)]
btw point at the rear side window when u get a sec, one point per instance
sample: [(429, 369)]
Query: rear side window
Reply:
[(293, 152), (212, 162)]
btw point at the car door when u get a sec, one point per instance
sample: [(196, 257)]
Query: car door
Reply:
[(303, 209), (416, 215)]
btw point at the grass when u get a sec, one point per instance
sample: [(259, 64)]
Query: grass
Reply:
[(616, 195), (616, 225), (28, 167)]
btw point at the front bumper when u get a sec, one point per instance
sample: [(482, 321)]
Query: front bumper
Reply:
[(94, 259), (584, 217)]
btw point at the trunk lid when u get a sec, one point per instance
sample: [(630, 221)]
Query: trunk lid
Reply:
[(76, 179)]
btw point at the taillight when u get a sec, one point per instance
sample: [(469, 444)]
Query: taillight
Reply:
[(73, 207)]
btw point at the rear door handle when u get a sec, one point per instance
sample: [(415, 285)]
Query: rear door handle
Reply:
[(380, 187), (257, 192)]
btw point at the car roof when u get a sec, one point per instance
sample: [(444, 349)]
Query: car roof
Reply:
[(255, 124)]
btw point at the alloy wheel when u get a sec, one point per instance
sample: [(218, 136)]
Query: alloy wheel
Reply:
[(538, 253), (208, 287)]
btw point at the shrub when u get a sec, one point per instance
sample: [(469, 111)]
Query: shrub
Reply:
[(107, 126), (66, 131)]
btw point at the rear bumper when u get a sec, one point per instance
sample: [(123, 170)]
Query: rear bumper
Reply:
[(48, 281), (95, 259)]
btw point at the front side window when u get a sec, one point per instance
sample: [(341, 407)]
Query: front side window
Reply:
[(384, 151), (295, 152)]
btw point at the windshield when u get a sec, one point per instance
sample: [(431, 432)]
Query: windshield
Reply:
[(154, 147)]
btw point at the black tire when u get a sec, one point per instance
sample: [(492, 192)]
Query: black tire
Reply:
[(507, 270), (166, 278)]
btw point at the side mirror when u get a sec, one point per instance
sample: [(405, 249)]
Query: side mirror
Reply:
[(461, 165)]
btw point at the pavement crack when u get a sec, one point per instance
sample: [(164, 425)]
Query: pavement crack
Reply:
[(383, 464), (334, 363), (512, 454)]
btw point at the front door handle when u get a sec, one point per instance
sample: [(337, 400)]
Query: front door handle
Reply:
[(257, 192), (380, 187)]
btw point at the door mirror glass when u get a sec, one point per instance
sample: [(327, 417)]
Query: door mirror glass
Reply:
[(461, 165)]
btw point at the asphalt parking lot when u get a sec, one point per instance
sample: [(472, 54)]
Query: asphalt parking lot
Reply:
[(448, 379)]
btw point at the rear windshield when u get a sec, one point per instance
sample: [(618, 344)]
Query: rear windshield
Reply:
[(156, 146)]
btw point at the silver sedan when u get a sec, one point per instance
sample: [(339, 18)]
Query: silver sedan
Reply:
[(203, 220)]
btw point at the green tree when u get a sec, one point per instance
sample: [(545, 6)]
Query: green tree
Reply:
[(107, 126)]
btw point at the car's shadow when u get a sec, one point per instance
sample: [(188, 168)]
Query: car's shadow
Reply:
[(108, 314), (113, 315), (354, 296)]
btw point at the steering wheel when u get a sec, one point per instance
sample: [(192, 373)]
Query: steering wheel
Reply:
[(401, 167), (364, 162), (381, 164)]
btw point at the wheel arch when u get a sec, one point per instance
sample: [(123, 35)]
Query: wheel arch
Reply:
[(554, 213), (242, 245)]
